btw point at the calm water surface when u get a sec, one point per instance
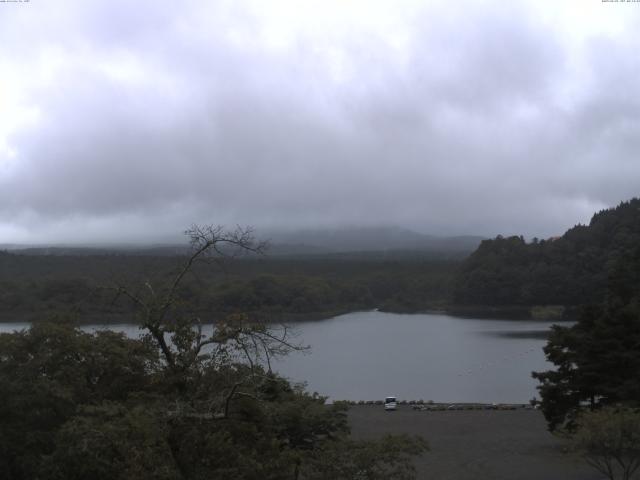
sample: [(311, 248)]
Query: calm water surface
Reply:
[(369, 355)]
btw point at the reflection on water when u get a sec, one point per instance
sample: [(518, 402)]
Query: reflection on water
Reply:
[(538, 334), (370, 355)]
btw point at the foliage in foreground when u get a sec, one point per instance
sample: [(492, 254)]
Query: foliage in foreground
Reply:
[(175, 404), (609, 440), (77, 405)]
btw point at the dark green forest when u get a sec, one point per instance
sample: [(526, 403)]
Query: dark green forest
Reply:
[(273, 287), (179, 404), (504, 276), (597, 359), (569, 271), (104, 407), (176, 403)]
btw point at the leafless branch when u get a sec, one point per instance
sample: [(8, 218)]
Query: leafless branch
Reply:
[(236, 335)]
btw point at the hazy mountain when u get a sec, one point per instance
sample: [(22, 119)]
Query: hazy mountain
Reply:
[(298, 243), (369, 239), (83, 250)]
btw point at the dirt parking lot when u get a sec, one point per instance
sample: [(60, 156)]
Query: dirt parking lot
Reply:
[(477, 444)]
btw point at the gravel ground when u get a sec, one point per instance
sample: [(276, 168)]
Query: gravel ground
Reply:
[(477, 444)]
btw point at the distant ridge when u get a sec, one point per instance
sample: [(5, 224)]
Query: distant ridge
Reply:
[(160, 251), (295, 243), (369, 239)]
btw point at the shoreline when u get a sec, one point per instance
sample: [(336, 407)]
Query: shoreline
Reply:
[(508, 313), (431, 406)]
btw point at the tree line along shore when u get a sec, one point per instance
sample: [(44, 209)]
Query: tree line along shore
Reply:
[(506, 277), (180, 404)]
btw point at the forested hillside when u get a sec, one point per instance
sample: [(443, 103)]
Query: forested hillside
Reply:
[(570, 270), (312, 287), (176, 403), (504, 272)]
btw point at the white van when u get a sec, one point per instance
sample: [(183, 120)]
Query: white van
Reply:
[(390, 403)]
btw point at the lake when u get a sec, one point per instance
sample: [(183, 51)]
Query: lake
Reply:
[(370, 355)]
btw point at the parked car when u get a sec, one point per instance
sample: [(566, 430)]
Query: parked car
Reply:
[(390, 403)]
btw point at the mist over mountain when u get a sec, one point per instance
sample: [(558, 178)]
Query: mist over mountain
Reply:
[(363, 239), (284, 243)]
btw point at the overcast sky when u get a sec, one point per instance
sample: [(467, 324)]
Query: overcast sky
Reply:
[(130, 120)]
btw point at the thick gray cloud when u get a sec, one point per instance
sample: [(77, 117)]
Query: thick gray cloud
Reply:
[(129, 121)]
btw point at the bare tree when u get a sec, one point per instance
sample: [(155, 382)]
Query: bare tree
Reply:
[(179, 335)]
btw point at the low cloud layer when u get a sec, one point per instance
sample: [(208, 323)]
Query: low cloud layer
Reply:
[(130, 121)]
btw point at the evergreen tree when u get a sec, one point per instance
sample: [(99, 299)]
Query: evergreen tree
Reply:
[(597, 359)]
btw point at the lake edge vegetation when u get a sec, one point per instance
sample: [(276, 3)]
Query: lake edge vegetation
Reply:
[(177, 403), (506, 277)]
